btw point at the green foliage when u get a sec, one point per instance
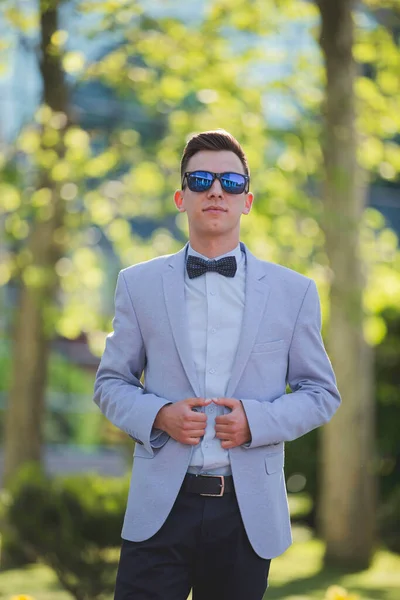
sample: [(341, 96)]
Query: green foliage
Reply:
[(73, 525), (302, 454), (388, 409), (302, 458), (233, 71), (63, 376), (389, 519)]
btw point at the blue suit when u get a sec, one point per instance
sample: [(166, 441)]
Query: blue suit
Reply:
[(280, 344)]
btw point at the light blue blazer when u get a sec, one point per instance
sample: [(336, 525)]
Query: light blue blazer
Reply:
[(280, 344)]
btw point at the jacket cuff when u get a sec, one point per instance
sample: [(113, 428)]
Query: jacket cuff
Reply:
[(256, 418), (158, 438)]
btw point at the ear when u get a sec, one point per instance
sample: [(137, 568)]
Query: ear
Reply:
[(179, 201), (248, 203)]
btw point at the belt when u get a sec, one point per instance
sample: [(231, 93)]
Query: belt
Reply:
[(208, 485)]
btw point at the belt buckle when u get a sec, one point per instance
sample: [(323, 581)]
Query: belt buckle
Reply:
[(222, 479)]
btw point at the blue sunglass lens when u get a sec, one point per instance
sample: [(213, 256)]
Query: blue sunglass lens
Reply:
[(233, 183), (200, 181)]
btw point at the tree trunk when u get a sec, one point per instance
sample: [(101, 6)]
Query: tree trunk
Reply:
[(346, 515), (26, 406)]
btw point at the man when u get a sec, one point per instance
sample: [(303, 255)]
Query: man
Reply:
[(218, 334)]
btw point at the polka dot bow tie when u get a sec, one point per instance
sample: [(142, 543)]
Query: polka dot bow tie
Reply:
[(197, 266)]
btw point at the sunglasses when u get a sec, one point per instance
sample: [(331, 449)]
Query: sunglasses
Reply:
[(201, 181)]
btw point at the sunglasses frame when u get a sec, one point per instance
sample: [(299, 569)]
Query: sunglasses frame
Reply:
[(217, 176)]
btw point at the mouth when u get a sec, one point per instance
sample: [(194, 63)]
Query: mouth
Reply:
[(214, 209)]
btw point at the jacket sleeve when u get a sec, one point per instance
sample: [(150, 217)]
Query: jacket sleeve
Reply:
[(118, 390), (314, 398)]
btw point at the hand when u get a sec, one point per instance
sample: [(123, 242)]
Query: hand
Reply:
[(232, 429), (181, 422)]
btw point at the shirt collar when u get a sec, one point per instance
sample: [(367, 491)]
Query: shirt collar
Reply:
[(236, 252)]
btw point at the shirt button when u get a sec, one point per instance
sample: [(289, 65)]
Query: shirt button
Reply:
[(212, 293), (213, 330), (212, 371), (205, 445)]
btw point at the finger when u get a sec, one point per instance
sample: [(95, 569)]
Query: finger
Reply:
[(227, 444), (191, 425), (222, 429), (195, 432), (228, 402), (194, 417), (193, 441), (223, 436), (198, 402), (223, 420)]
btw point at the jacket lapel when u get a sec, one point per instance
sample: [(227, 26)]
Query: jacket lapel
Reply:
[(257, 293), (174, 294)]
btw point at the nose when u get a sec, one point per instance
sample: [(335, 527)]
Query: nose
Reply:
[(215, 189)]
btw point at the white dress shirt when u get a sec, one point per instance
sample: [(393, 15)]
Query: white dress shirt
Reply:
[(214, 306)]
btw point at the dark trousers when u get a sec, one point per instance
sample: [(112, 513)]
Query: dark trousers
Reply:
[(202, 545)]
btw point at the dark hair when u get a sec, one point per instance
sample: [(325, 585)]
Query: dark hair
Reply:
[(218, 139)]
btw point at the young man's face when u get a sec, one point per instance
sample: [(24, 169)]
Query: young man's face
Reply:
[(214, 212)]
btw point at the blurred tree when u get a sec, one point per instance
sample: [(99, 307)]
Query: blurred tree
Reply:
[(347, 508), (37, 284)]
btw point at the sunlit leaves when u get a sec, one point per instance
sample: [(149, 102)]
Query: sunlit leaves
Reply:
[(80, 276), (6, 268), (41, 197), (389, 82), (380, 248), (73, 62), (37, 276), (147, 181), (46, 159), (374, 328), (369, 93), (118, 230), (100, 165), (10, 198), (177, 78), (100, 212), (58, 120), (61, 171), (112, 67), (59, 38), (69, 191), (385, 291), (43, 114), (29, 141), (364, 52), (77, 144), (172, 89), (371, 152), (50, 137), (379, 99), (16, 227), (76, 137), (20, 17)]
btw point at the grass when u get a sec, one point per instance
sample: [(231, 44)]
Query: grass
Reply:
[(296, 575), (299, 574)]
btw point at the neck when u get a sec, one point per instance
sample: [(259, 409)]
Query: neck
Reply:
[(214, 247)]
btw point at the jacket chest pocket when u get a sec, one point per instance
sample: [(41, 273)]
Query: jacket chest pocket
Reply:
[(273, 346)]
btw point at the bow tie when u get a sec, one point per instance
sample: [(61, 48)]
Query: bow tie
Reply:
[(197, 266)]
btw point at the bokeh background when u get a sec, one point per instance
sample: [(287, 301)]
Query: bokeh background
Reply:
[(97, 99)]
